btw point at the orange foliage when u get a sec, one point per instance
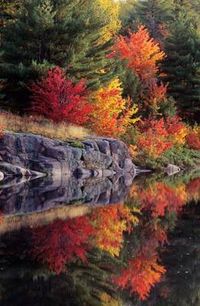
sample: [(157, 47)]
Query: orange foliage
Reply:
[(141, 53), (110, 223), (193, 189), (158, 136), (1, 217), (153, 139), (152, 145), (176, 129), (142, 273), (161, 198), (111, 113), (156, 93), (1, 131)]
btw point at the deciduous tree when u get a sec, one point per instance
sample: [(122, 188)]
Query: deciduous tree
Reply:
[(58, 99)]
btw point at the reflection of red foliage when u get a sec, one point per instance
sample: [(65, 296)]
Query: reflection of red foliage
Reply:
[(1, 217), (194, 186), (161, 198), (62, 242), (142, 273), (193, 189), (164, 292)]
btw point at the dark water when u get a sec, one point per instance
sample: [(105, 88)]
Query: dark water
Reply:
[(101, 243)]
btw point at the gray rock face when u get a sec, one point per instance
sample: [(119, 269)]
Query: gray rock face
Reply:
[(94, 157)]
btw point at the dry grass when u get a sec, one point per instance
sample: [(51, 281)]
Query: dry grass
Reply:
[(41, 126)]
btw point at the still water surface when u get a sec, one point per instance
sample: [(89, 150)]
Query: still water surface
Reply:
[(141, 248)]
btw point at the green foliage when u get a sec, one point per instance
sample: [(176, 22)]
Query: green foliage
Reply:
[(180, 156), (168, 107), (182, 66), (154, 14), (48, 33)]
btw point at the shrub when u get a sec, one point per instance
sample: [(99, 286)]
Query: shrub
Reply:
[(58, 99)]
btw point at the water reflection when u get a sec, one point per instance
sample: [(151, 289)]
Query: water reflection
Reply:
[(42, 194), (141, 252)]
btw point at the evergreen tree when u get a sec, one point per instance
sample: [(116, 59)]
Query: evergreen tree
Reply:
[(8, 10), (190, 8), (181, 68), (65, 33), (153, 14)]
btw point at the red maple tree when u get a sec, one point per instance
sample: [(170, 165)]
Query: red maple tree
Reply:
[(58, 99)]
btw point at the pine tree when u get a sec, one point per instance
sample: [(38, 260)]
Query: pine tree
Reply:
[(181, 68), (51, 33), (153, 14), (190, 8)]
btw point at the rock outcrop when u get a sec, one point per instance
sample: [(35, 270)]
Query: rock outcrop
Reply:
[(93, 171), (28, 155)]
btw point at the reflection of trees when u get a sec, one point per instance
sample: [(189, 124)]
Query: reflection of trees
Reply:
[(114, 245), (182, 259), (110, 224), (62, 242), (82, 284)]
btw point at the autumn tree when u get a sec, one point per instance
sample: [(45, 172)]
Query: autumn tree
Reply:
[(141, 54), (111, 114), (111, 11), (58, 99)]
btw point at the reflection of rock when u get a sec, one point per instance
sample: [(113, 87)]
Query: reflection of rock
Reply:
[(95, 157), (96, 170), (46, 193), (1, 176)]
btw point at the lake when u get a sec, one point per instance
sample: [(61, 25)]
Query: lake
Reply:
[(101, 243)]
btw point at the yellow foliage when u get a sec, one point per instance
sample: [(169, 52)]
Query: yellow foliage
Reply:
[(108, 300), (180, 136), (112, 114), (133, 150), (111, 11), (110, 223)]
